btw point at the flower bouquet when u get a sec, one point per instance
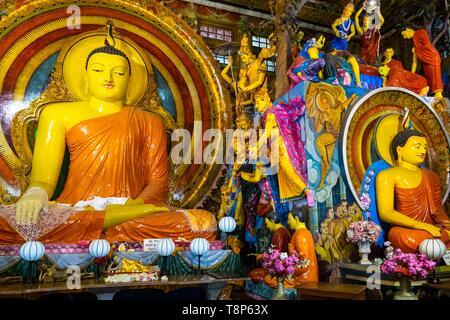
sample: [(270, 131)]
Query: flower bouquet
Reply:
[(281, 265), (364, 233), (411, 265), (406, 267)]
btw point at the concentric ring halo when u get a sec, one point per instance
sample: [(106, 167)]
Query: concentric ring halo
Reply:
[(74, 58)]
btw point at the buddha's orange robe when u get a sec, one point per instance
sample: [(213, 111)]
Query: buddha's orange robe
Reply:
[(120, 155), (430, 58), (301, 242), (424, 204)]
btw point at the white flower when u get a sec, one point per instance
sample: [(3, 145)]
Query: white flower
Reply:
[(283, 255)]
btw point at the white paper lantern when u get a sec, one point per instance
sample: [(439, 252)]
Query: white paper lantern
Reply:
[(199, 246), (165, 247), (32, 251), (227, 224), (434, 249), (99, 248)]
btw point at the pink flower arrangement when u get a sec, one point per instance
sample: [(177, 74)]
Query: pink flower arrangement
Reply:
[(407, 264), (361, 231), (281, 263)]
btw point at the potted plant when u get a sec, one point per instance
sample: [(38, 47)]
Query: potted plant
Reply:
[(281, 265), (406, 267), (363, 233)]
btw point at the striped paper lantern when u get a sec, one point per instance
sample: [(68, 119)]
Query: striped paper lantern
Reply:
[(99, 248), (165, 247), (434, 249), (199, 246), (32, 251), (227, 224)]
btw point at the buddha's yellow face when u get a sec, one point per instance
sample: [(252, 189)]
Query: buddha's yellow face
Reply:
[(320, 42), (107, 77), (389, 53), (414, 151), (408, 33)]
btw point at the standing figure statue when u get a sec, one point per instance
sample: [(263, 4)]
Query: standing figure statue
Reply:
[(429, 56), (370, 36), (283, 131), (344, 30)]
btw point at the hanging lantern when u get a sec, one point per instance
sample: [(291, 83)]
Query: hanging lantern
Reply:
[(165, 247), (227, 224), (199, 246), (32, 251), (434, 249), (99, 248)]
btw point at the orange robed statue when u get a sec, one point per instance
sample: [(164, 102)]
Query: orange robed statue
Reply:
[(303, 244), (115, 151), (429, 56)]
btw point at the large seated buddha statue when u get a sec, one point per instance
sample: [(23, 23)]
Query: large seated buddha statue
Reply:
[(408, 196), (117, 151)]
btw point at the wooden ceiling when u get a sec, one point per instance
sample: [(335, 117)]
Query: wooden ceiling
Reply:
[(324, 12)]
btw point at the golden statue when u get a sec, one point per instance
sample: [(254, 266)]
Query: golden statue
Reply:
[(252, 75), (116, 150), (408, 196)]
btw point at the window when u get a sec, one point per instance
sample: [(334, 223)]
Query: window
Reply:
[(270, 65), (221, 59), (215, 33), (260, 42)]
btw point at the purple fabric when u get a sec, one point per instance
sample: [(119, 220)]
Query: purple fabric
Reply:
[(287, 117)]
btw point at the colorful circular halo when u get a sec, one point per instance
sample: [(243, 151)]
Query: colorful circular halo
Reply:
[(374, 119)]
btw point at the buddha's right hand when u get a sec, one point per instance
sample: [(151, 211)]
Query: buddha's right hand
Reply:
[(29, 206), (435, 231)]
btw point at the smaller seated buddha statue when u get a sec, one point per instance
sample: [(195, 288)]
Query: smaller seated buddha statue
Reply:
[(280, 241), (408, 196), (394, 75), (303, 244), (427, 54)]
